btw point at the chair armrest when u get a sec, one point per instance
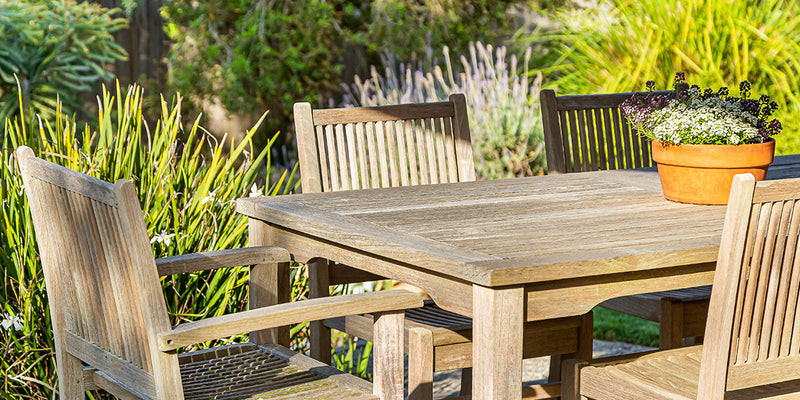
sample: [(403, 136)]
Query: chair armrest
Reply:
[(286, 314), (221, 259)]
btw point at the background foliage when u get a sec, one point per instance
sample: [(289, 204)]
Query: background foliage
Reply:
[(54, 48), (502, 103), (253, 55), (617, 47), (186, 188)]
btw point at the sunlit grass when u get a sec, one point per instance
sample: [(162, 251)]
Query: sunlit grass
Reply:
[(618, 327)]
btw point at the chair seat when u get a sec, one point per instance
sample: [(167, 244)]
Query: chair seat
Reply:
[(669, 375), (558, 336), (648, 305), (247, 371)]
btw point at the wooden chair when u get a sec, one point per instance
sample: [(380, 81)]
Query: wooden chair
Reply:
[(589, 133), (752, 343), (400, 145), (110, 321)]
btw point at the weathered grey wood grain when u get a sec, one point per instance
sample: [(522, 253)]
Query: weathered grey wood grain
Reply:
[(744, 353), (109, 312), (617, 219)]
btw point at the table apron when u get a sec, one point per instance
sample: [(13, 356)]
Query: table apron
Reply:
[(577, 296), (449, 293), (543, 300)]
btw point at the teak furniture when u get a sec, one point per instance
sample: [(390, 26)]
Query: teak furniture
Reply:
[(752, 344), (589, 133), (110, 321), (511, 250), (405, 145)]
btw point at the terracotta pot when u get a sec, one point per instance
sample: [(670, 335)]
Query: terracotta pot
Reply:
[(702, 173)]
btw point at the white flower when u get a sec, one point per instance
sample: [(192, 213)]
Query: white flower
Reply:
[(162, 237), (209, 197), (255, 191), (9, 321)]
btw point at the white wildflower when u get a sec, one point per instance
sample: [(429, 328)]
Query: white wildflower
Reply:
[(712, 120), (255, 191), (11, 320), (209, 197), (162, 237)]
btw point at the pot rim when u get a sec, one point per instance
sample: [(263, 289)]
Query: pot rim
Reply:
[(715, 155)]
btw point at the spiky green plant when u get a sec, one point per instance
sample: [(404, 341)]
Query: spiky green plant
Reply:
[(187, 185)]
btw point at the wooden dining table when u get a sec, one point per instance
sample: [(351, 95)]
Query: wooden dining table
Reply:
[(503, 251)]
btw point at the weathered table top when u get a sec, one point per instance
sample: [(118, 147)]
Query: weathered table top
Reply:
[(512, 231), (506, 251)]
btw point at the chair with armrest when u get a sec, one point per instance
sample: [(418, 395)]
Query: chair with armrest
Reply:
[(401, 145), (110, 321), (589, 133), (752, 343)]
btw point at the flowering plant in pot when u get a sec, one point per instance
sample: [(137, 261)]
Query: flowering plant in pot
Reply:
[(702, 138)]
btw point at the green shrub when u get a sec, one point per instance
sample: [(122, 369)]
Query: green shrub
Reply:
[(54, 48), (253, 55), (186, 187), (502, 102), (405, 28), (717, 42)]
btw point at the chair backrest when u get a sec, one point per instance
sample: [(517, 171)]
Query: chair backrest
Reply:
[(106, 301), (753, 327), (386, 146), (589, 133)]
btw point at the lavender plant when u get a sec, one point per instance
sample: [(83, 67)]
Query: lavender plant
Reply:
[(689, 114), (502, 99)]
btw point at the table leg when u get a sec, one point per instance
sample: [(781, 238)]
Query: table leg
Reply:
[(318, 286), (497, 342), (269, 285)]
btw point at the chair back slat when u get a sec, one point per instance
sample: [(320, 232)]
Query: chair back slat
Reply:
[(385, 142), (753, 314), (589, 133), (94, 287), (387, 146)]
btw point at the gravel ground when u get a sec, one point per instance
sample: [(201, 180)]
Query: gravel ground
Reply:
[(534, 370)]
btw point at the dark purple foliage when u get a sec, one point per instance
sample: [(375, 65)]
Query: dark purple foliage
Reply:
[(641, 105)]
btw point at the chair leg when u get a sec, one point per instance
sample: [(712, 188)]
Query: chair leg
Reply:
[(586, 337), (571, 379), (387, 350), (693, 340), (420, 364), (555, 369), (466, 382), (70, 376), (320, 336), (584, 351), (670, 333)]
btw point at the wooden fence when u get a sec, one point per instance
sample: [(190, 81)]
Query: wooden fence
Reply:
[(144, 40)]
